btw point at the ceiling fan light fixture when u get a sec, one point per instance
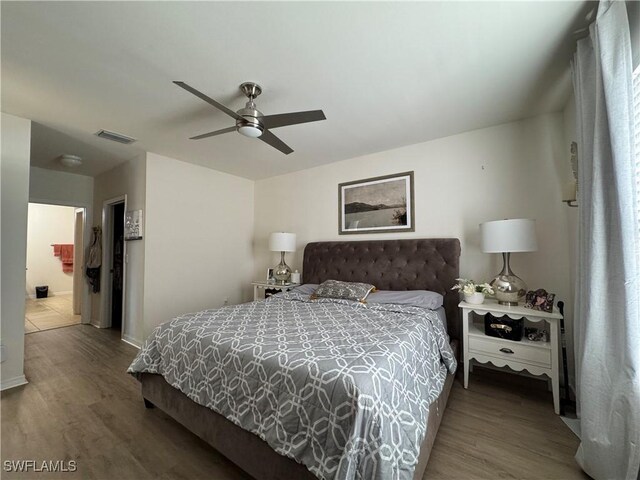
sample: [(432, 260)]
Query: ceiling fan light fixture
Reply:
[(251, 131), (248, 123)]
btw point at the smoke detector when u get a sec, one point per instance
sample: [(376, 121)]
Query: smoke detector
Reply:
[(70, 161)]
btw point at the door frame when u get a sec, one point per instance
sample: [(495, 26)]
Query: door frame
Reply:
[(78, 258), (85, 310), (107, 256)]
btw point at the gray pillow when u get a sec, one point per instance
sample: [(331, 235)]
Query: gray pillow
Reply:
[(306, 289), (417, 298), (345, 290)]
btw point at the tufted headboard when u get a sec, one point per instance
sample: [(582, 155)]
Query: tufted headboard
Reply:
[(421, 264)]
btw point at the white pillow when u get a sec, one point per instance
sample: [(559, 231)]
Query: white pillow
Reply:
[(417, 298), (306, 289)]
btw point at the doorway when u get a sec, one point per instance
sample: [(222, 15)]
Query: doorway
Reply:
[(55, 249), (117, 266), (114, 263)]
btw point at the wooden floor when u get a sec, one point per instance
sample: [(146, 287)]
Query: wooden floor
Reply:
[(81, 405)]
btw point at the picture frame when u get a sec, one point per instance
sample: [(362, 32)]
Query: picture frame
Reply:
[(377, 205), (270, 278), (540, 300), (133, 225)]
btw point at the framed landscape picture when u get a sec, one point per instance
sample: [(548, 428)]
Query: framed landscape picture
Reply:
[(377, 205)]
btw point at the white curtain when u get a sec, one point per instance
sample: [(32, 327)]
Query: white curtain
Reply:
[(607, 321)]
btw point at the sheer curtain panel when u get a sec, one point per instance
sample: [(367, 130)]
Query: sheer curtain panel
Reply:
[(607, 322)]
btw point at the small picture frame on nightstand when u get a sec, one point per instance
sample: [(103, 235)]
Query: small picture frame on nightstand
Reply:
[(270, 278), (540, 300)]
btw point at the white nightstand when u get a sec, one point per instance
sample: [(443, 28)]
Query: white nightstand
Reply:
[(538, 358), (259, 288)]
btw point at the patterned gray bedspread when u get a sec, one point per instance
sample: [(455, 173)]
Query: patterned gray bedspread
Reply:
[(341, 387)]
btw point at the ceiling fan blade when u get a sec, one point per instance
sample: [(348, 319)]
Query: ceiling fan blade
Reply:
[(209, 100), (284, 119), (213, 134), (275, 142)]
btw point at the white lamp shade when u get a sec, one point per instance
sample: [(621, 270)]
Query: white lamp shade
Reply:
[(282, 242), (516, 235)]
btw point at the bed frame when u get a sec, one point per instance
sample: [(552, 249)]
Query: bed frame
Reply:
[(419, 264)]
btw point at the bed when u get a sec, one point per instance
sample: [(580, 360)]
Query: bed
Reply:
[(419, 264)]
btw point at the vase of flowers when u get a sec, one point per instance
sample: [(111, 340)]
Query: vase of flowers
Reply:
[(473, 292)]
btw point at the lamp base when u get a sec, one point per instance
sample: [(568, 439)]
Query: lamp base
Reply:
[(509, 287), (281, 272)]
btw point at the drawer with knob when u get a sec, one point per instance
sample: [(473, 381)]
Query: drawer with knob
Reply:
[(516, 351)]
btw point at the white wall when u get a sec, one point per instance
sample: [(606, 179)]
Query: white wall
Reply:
[(14, 174), (127, 179), (48, 224), (62, 188), (199, 230), (515, 170)]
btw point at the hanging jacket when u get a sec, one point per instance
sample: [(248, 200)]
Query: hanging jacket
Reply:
[(94, 257), (94, 260)]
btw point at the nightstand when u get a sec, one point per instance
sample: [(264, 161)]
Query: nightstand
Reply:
[(261, 290), (538, 358)]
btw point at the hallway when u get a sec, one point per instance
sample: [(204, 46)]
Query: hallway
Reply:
[(47, 313)]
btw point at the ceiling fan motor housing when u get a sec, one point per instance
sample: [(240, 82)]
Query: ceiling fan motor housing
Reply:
[(249, 124)]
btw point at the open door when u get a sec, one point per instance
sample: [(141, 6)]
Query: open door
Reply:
[(78, 260)]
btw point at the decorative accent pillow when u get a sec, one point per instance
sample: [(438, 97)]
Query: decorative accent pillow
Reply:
[(345, 290)]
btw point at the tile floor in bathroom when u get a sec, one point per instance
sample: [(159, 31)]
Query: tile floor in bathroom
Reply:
[(47, 313)]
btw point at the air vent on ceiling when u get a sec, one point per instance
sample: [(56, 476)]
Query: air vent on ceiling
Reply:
[(116, 137)]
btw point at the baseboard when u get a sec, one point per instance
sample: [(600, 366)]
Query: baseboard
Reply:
[(13, 382), (131, 341)]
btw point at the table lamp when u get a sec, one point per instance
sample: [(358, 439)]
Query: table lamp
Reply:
[(507, 237), (282, 242)]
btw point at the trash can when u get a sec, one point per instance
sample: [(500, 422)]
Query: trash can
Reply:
[(42, 292)]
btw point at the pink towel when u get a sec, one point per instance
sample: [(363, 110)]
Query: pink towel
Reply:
[(65, 252)]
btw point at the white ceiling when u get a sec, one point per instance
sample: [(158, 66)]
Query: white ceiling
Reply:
[(385, 74)]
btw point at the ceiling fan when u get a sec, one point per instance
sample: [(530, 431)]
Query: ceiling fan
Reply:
[(250, 121)]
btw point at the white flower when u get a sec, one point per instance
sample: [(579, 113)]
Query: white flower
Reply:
[(486, 288), (469, 287)]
